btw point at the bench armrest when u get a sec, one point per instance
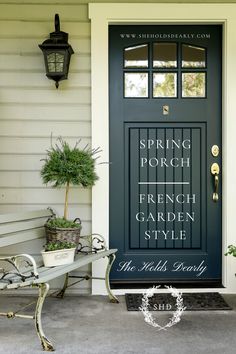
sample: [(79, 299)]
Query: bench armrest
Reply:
[(17, 262), (92, 244)]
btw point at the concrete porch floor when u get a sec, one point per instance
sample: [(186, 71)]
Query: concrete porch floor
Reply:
[(92, 325)]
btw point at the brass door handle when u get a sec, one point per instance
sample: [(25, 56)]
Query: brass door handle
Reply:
[(215, 170)]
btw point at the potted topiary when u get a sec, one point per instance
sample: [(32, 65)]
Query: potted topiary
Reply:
[(66, 166), (58, 253)]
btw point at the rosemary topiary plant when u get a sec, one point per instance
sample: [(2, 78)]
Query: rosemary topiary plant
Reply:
[(66, 166)]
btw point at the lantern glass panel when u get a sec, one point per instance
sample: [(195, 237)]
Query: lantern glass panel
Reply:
[(59, 67), (55, 62)]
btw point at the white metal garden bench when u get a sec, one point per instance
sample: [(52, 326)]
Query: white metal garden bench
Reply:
[(21, 270)]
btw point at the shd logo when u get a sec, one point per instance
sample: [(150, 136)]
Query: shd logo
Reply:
[(162, 307), (145, 307)]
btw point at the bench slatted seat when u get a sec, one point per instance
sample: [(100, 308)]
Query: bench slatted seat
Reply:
[(26, 272)]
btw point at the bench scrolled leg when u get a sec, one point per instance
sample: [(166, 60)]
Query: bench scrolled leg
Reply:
[(112, 297), (46, 344)]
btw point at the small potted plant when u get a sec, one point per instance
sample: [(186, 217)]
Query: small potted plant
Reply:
[(58, 253), (231, 251), (66, 166)]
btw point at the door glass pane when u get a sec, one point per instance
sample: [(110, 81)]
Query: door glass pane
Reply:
[(164, 55), (136, 84), (164, 85), (193, 57), (136, 56), (193, 85)]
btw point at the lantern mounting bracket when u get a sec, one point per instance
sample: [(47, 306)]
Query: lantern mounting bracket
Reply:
[(57, 23)]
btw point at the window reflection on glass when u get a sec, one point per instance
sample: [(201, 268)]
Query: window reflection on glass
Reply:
[(193, 85), (164, 85), (55, 62), (164, 55), (136, 84), (136, 56), (193, 57)]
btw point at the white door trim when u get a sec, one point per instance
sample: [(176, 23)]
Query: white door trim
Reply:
[(101, 16)]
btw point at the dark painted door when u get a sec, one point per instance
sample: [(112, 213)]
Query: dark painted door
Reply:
[(165, 134)]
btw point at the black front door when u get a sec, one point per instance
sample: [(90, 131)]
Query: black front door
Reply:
[(165, 153)]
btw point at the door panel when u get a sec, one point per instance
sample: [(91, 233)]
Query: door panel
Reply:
[(165, 115), (166, 187)]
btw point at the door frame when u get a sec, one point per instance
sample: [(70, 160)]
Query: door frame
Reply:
[(104, 14)]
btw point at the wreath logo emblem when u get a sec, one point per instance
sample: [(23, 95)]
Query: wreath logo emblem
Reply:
[(176, 315)]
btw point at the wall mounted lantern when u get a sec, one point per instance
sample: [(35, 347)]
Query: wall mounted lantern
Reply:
[(57, 52)]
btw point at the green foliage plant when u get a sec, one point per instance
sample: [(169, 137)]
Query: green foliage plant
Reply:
[(66, 166), (62, 223), (58, 245), (231, 251)]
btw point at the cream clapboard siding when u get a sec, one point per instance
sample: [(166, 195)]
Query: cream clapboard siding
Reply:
[(31, 109)]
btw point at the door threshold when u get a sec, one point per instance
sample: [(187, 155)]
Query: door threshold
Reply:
[(209, 284), (122, 292)]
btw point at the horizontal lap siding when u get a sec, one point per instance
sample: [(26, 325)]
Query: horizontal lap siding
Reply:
[(31, 109), (72, 2), (36, 128), (30, 145)]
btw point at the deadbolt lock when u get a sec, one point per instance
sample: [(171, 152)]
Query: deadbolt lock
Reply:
[(215, 150)]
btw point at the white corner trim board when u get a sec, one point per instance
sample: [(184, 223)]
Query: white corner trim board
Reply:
[(101, 16)]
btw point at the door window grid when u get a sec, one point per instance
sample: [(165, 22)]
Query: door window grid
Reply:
[(164, 84), (136, 56), (193, 85), (193, 57), (164, 55), (136, 85), (165, 79)]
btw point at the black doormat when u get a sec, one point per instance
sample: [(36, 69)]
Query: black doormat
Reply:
[(192, 302)]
